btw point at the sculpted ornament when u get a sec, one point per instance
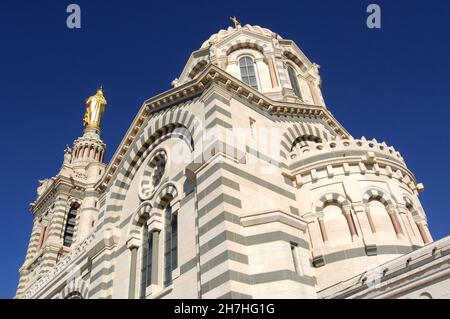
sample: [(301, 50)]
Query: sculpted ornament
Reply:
[(44, 185), (67, 155)]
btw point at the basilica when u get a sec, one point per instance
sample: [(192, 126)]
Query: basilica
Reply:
[(238, 182)]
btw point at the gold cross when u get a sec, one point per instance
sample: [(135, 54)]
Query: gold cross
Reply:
[(235, 21)]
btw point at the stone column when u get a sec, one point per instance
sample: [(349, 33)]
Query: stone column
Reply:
[(323, 231), (370, 220), (423, 233), (394, 219), (133, 246), (272, 72), (350, 222), (155, 226)]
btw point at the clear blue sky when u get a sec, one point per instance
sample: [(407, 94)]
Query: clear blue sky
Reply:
[(391, 84)]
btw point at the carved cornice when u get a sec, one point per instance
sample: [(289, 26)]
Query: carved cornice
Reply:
[(61, 185)]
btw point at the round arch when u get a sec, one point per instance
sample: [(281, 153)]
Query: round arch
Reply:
[(377, 194), (141, 215), (297, 130), (76, 287), (246, 44), (331, 198), (197, 68), (295, 59), (167, 192), (412, 208)]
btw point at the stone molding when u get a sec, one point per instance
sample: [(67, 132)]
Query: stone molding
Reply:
[(77, 251), (272, 216)]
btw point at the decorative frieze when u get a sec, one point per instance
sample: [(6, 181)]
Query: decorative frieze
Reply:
[(59, 268)]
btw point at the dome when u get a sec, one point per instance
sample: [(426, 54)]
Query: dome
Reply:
[(275, 66), (224, 33)]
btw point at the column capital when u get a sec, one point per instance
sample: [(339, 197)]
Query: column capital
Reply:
[(133, 243), (155, 223), (347, 210)]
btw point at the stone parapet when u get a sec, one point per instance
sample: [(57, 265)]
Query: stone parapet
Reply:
[(370, 150)]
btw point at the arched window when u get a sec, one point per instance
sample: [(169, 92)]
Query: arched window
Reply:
[(70, 225), (170, 245), (248, 73), (294, 82)]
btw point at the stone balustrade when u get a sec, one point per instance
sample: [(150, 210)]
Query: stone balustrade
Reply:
[(314, 152)]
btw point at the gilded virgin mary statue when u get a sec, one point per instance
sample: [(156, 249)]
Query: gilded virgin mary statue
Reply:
[(95, 107)]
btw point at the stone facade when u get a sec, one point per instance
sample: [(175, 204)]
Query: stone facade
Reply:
[(236, 183)]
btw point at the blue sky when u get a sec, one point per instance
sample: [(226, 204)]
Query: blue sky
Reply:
[(391, 84)]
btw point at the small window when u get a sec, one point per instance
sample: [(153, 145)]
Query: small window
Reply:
[(146, 265), (70, 226), (295, 259), (170, 245), (248, 73), (253, 128), (294, 82)]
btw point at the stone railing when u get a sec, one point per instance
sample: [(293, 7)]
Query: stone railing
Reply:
[(343, 148), (58, 268)]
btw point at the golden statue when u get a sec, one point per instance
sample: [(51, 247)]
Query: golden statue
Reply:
[(95, 107), (235, 21)]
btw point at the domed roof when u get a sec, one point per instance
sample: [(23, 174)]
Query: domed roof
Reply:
[(224, 33)]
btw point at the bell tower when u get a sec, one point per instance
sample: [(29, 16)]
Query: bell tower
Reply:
[(66, 207)]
